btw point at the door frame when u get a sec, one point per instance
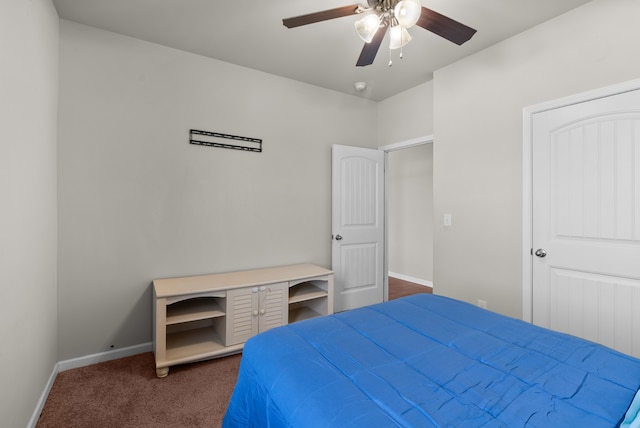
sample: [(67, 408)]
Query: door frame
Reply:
[(527, 177), (419, 141)]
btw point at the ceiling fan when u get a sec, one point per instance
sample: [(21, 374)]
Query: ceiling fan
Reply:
[(395, 16)]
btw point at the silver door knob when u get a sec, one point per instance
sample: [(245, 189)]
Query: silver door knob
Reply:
[(541, 253), (338, 238)]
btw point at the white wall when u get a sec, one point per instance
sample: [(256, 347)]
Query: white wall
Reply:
[(138, 202), (404, 117), (28, 103), (478, 138)]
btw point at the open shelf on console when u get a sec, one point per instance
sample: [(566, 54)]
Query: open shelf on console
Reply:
[(195, 309), (305, 291), (308, 299)]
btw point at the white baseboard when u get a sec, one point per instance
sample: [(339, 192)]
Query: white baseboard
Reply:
[(43, 397), (411, 279), (101, 357), (87, 360)]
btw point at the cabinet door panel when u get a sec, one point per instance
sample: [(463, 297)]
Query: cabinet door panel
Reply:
[(242, 311), (274, 306)]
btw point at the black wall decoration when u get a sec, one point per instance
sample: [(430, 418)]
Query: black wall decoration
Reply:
[(215, 139)]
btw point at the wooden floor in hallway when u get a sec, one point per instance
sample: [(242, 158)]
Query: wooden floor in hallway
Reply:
[(400, 288)]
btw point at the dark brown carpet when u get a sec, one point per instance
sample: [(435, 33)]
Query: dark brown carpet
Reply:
[(126, 392)]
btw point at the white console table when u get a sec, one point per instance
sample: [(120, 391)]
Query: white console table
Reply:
[(206, 316)]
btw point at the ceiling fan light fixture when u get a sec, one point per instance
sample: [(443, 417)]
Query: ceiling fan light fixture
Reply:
[(398, 37), (407, 12), (367, 27), (394, 16)]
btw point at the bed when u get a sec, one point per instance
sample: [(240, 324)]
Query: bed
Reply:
[(430, 361)]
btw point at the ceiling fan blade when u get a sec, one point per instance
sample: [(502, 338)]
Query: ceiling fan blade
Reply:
[(370, 50), (444, 26), (325, 15)]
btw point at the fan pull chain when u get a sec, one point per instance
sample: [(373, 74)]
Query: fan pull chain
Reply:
[(401, 56)]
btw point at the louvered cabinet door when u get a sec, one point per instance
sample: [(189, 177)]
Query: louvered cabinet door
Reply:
[(252, 310), (242, 314), (274, 306)]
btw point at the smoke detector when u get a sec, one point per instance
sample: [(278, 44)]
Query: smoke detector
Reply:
[(360, 86)]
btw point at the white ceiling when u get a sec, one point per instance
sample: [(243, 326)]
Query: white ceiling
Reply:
[(250, 33)]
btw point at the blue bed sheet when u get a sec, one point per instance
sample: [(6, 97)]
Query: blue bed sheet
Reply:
[(428, 361)]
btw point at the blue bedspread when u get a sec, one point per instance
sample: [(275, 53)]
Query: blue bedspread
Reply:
[(428, 361)]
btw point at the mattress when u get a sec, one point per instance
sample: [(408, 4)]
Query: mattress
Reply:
[(428, 361)]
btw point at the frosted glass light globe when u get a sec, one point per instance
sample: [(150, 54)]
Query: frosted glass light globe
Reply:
[(407, 12), (367, 27), (398, 37)]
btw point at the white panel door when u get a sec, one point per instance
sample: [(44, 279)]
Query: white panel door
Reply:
[(357, 226), (586, 220)]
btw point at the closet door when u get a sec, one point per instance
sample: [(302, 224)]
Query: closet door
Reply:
[(586, 220)]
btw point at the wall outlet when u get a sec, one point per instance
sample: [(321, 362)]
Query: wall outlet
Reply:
[(447, 220), (482, 304)]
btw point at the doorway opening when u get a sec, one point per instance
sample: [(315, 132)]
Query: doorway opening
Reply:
[(409, 212)]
